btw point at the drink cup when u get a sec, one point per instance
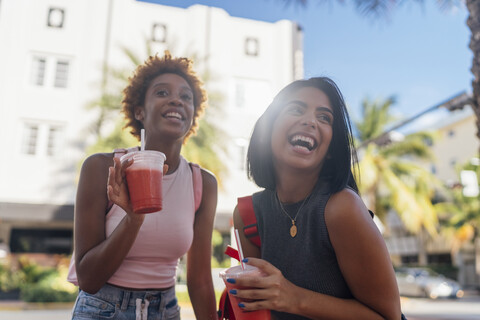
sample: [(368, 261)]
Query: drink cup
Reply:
[(144, 180), (237, 272)]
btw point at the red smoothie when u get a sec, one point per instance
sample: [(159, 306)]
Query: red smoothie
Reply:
[(145, 189), (237, 272)]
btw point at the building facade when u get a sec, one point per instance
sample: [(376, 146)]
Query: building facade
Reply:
[(455, 145), (53, 57)]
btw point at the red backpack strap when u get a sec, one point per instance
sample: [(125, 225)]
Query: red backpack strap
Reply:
[(250, 229), (197, 184), (225, 310)]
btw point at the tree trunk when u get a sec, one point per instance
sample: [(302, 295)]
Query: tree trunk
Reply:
[(422, 237), (473, 23)]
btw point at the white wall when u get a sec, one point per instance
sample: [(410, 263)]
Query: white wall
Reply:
[(217, 40), (24, 34)]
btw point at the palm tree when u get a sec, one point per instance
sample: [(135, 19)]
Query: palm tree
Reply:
[(461, 213), (391, 178), (381, 8), (204, 148)]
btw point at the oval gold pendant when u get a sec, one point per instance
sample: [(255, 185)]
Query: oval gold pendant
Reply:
[(293, 231)]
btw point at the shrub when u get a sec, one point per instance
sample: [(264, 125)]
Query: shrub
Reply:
[(9, 280), (42, 292)]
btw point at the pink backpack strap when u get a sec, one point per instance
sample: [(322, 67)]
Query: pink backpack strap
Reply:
[(118, 153), (197, 184)]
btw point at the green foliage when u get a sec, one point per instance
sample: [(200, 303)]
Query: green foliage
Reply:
[(184, 298), (219, 259), (43, 292), (117, 138), (391, 177), (9, 280), (37, 283), (31, 273), (461, 214)]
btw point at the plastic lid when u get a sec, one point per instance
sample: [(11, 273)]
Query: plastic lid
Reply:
[(143, 154), (237, 271)]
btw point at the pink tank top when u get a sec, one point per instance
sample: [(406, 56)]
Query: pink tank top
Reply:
[(164, 236)]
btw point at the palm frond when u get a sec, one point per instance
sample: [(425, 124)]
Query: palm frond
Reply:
[(375, 8)]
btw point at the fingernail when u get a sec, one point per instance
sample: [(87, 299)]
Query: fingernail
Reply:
[(231, 280), (245, 260), (241, 305), (233, 291)]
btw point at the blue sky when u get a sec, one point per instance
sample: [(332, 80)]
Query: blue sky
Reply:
[(419, 53)]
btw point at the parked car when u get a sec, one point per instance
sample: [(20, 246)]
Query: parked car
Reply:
[(424, 282)]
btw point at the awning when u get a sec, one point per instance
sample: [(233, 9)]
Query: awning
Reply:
[(35, 212)]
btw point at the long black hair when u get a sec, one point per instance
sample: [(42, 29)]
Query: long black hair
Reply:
[(339, 167)]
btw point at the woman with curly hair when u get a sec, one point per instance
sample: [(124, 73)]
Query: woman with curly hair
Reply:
[(125, 263)]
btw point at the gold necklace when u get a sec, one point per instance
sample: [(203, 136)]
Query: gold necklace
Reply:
[(293, 228)]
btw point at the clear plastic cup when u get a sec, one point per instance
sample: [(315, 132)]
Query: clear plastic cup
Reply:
[(236, 273), (144, 180)]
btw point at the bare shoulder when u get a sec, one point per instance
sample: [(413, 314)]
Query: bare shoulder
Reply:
[(98, 161), (345, 208), (209, 180), (94, 173)]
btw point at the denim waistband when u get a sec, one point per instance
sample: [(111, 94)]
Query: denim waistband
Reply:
[(124, 298)]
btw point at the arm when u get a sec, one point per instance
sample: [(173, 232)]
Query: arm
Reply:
[(362, 254), (96, 257), (199, 275), (363, 259)]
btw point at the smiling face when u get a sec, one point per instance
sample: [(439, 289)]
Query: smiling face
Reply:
[(303, 131), (168, 108)]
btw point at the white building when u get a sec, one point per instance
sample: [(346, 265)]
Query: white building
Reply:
[(51, 61)]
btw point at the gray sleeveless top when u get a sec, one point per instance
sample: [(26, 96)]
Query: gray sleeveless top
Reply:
[(307, 260)]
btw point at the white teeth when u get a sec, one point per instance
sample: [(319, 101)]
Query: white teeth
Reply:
[(174, 115), (303, 138)]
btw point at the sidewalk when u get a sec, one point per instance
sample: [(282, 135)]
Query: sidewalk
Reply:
[(13, 310)]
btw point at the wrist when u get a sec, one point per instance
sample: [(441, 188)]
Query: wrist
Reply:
[(134, 219), (299, 303)]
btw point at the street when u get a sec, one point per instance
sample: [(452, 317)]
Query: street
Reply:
[(467, 308), (443, 309), (10, 312)]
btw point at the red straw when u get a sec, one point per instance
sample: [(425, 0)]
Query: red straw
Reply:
[(239, 246)]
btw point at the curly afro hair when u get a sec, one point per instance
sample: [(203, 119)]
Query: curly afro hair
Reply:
[(134, 93)]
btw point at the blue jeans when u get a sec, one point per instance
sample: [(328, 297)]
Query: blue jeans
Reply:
[(115, 303)]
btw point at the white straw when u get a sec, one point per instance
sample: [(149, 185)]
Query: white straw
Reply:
[(239, 246), (142, 139)]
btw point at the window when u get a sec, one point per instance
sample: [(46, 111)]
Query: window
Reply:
[(41, 241), (409, 259), (53, 141), (159, 33), (41, 138), (451, 133), (55, 18), (38, 71), (251, 47), (30, 139), (61, 74), (440, 258), (50, 71)]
